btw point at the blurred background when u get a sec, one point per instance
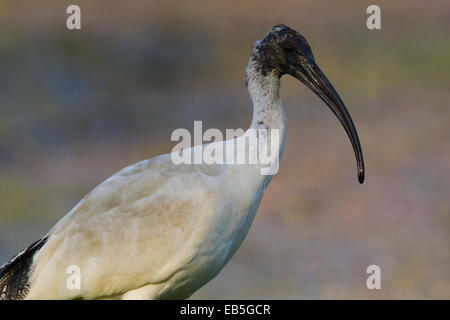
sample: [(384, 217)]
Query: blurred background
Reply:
[(77, 106)]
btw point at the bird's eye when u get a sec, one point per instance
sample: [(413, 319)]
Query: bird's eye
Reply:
[(288, 48)]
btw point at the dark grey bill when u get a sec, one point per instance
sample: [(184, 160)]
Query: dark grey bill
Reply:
[(311, 75)]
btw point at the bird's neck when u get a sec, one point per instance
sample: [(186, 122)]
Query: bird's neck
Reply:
[(264, 89), (268, 111)]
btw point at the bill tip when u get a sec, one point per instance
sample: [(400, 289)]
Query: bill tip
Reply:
[(361, 177)]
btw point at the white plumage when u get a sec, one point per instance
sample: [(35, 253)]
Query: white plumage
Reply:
[(159, 230), (156, 229)]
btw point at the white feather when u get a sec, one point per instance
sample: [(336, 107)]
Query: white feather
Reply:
[(156, 229)]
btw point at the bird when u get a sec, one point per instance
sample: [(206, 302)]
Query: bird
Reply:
[(161, 230)]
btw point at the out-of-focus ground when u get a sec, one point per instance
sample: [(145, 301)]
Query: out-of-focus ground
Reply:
[(76, 106)]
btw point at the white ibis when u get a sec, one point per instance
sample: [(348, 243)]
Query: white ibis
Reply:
[(160, 230)]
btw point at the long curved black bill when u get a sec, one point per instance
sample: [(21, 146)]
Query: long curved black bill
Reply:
[(311, 75)]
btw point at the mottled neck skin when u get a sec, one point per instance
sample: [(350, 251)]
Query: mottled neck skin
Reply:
[(264, 88), (268, 113)]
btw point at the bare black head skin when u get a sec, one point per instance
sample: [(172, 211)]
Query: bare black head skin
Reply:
[(285, 51)]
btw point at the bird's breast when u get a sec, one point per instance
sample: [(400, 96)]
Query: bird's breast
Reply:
[(230, 221)]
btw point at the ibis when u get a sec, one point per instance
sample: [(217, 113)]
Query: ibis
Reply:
[(159, 229)]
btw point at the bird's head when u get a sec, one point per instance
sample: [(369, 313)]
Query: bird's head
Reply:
[(285, 51)]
